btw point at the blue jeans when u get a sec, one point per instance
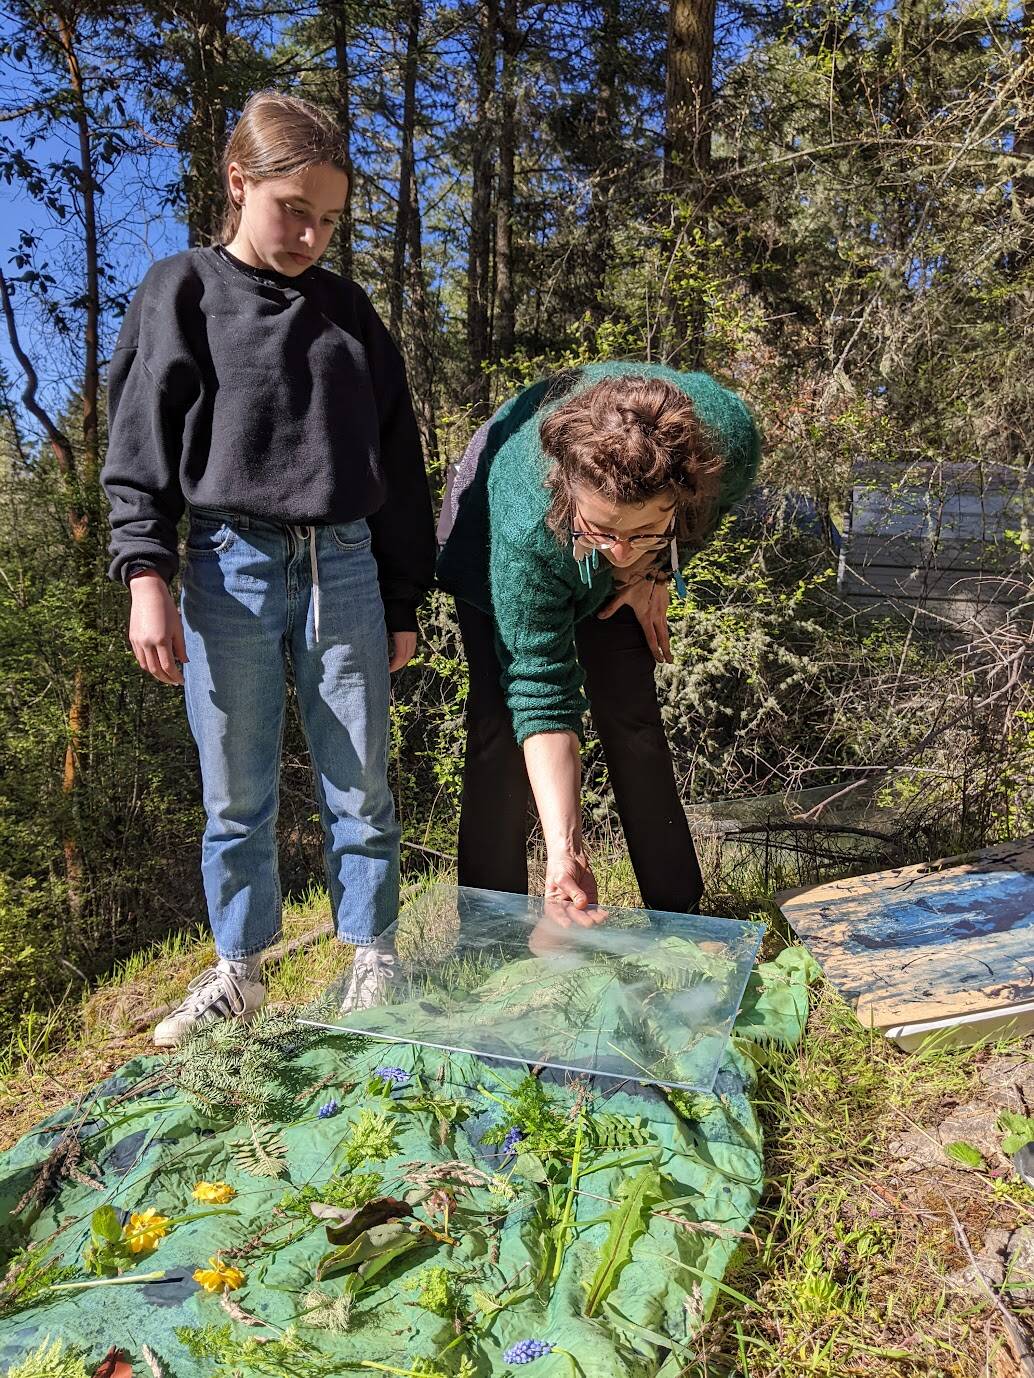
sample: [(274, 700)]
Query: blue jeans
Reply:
[(248, 606)]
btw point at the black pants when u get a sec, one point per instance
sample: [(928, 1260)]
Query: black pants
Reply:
[(619, 674)]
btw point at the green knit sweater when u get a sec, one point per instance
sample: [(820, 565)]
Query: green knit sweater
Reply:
[(502, 557)]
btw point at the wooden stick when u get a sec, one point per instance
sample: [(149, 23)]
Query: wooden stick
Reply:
[(1013, 1328)]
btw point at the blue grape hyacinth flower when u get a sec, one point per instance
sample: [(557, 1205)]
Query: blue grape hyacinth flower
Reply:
[(393, 1076), (509, 1144), (527, 1351), (325, 1111)]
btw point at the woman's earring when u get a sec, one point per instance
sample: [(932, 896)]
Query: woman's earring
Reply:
[(680, 583), (587, 564)]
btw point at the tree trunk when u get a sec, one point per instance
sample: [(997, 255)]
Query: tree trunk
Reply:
[(606, 140), (205, 133), (90, 461), (425, 352), (404, 211), (1023, 141), (343, 111), (84, 504), (689, 92), (479, 250), (505, 310)]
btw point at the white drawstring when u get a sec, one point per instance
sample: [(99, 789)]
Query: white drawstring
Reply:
[(310, 532)]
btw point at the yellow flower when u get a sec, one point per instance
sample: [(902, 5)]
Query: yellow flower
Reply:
[(218, 1276), (218, 1193), (145, 1228)]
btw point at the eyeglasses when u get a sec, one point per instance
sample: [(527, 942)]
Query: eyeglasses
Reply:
[(604, 540)]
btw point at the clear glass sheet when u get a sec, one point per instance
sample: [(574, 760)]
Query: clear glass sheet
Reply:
[(635, 994)]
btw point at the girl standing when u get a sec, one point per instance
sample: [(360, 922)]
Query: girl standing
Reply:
[(262, 392)]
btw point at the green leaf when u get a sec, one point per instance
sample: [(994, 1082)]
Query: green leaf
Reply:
[(966, 1154), (628, 1220), (531, 1168), (104, 1226), (377, 1246), (1018, 1130), (344, 1226), (263, 1155)]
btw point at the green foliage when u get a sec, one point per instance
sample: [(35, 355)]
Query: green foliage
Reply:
[(262, 1154), (676, 964), (240, 1356), (549, 1127), (374, 1249), (1017, 1129), (30, 946), (240, 1071), (52, 1360), (29, 1273), (446, 1111), (437, 1291), (627, 1220), (107, 1252), (348, 1192), (370, 1139), (966, 1154)]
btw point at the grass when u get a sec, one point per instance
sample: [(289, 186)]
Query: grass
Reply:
[(855, 1263), (855, 1268)]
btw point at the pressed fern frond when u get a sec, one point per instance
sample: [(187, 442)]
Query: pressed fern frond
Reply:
[(264, 1154)]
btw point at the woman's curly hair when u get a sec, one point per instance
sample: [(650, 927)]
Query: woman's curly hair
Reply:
[(631, 438)]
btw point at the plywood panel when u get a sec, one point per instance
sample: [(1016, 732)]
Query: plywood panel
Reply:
[(926, 942), (915, 553), (915, 512), (934, 614), (953, 585), (942, 476)]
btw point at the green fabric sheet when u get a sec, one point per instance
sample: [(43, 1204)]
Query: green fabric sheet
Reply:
[(695, 1161)]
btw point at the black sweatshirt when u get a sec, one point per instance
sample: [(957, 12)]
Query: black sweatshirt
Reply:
[(280, 398)]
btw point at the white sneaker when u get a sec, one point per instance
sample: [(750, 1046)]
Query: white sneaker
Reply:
[(373, 971), (218, 993)]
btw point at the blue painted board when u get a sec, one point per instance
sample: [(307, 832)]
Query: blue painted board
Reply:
[(926, 942)]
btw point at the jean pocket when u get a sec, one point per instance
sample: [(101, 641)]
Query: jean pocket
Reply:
[(351, 535), (209, 536)]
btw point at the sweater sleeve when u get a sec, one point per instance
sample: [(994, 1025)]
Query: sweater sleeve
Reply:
[(534, 616), (153, 380), (403, 527)]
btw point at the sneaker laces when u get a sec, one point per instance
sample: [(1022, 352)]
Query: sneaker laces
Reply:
[(202, 993), (372, 970)]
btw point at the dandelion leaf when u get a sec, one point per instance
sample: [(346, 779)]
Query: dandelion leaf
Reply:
[(628, 1220)]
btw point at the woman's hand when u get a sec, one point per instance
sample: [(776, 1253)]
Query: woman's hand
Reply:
[(155, 629), (649, 602), (570, 880), (569, 899), (401, 649)]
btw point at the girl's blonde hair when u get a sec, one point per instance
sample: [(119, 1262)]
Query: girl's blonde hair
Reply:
[(279, 135)]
